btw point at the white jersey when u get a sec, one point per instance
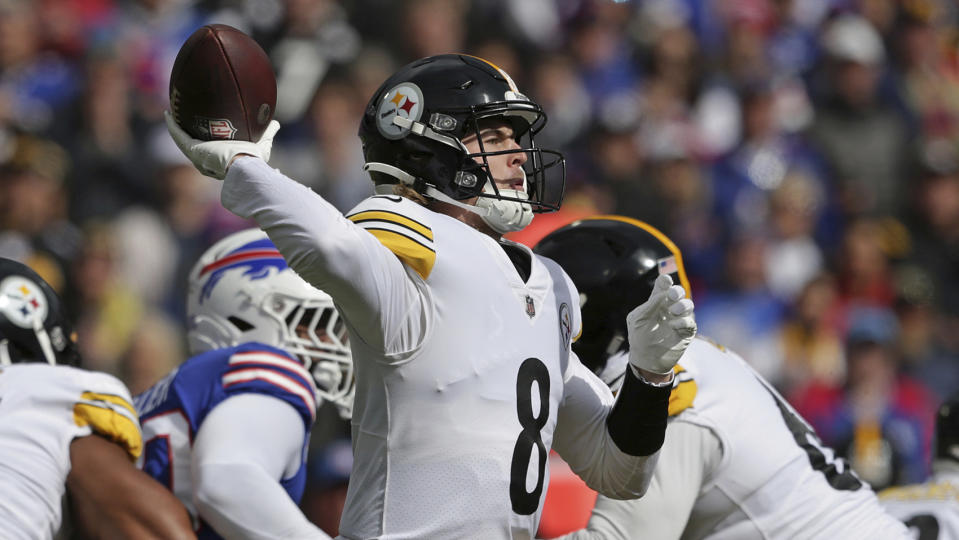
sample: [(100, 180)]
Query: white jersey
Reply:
[(464, 375), (42, 409), (739, 463), (931, 509)]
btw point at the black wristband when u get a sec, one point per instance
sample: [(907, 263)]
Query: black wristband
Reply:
[(637, 423)]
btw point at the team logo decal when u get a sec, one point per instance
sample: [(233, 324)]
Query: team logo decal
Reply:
[(565, 324), (22, 302), (258, 258), (215, 128), (404, 100)]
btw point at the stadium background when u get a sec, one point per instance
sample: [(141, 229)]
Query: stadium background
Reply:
[(803, 154)]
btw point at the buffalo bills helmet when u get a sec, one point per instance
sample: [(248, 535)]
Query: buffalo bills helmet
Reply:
[(33, 324), (413, 126), (242, 290), (614, 262)]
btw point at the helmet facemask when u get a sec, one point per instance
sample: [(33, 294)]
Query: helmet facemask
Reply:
[(313, 331), (544, 169), (511, 208)]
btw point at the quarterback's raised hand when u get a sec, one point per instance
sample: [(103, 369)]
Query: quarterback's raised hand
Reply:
[(213, 158), (660, 328)]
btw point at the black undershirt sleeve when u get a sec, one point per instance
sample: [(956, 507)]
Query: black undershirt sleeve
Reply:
[(637, 423)]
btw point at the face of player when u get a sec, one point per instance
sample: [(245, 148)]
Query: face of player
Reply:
[(506, 169), (306, 330)]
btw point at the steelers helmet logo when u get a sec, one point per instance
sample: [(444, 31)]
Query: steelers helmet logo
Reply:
[(565, 324), (22, 302), (404, 100)]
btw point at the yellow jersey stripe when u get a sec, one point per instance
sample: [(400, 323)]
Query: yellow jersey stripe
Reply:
[(417, 256), (111, 424), (110, 398), (394, 218), (683, 393)]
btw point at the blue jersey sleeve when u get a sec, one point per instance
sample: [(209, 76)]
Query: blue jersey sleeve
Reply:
[(265, 370)]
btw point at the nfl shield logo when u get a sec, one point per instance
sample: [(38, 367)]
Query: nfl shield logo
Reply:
[(221, 129), (215, 128), (530, 308)]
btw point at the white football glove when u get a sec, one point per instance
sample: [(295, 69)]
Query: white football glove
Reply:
[(661, 328), (213, 158)]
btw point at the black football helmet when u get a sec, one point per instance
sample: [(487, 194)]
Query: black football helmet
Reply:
[(947, 430), (614, 262), (413, 126), (33, 325)]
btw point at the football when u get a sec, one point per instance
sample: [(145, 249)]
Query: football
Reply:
[(222, 85)]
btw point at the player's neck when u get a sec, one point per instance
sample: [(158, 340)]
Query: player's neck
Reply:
[(462, 214), (521, 259)]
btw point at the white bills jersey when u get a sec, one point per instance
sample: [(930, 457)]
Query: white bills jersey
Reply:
[(739, 463), (42, 409), (930, 509), (464, 375)]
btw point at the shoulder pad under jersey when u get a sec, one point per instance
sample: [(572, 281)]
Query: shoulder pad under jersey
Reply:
[(104, 404), (684, 391), (401, 225), (261, 369)]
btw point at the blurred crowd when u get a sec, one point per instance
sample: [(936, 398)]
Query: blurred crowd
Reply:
[(804, 156)]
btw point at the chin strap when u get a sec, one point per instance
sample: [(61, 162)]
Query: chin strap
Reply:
[(42, 338), (44, 341), (502, 216), (408, 179), (423, 130), (396, 172), (506, 216)]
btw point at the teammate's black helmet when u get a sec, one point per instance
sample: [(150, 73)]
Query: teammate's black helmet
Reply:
[(33, 326), (947, 430), (613, 261), (412, 127)]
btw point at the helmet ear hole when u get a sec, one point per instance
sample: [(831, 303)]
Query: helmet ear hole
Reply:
[(239, 323)]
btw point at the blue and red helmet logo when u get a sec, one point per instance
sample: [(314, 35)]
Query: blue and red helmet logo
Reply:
[(258, 257)]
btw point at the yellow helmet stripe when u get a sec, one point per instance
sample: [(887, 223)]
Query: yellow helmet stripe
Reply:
[(509, 80)]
